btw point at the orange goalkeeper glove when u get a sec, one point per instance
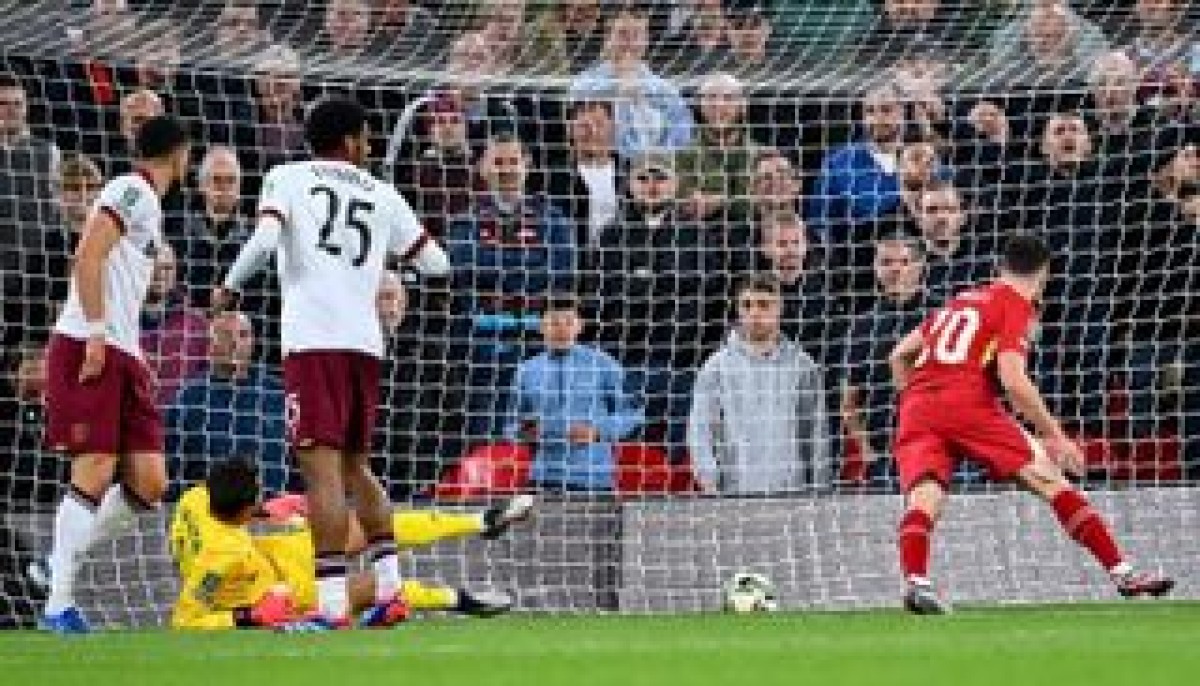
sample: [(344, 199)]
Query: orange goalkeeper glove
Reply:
[(274, 609)]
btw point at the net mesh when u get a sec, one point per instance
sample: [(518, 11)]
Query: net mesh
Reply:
[(644, 156)]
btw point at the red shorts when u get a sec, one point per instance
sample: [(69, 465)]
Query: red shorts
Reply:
[(935, 430), (113, 414), (332, 397)]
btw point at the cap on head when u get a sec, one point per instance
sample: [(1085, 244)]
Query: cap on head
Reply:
[(662, 162)]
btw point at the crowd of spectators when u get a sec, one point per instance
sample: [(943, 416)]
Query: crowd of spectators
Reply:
[(661, 231)]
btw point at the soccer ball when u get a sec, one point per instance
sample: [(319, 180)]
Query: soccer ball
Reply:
[(748, 592)]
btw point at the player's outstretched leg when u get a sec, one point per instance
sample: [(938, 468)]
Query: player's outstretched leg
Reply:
[(916, 527), (1085, 525)]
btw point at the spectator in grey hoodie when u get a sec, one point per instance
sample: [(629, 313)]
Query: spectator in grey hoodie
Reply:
[(758, 421)]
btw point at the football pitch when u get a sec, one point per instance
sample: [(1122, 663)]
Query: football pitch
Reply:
[(1139, 643)]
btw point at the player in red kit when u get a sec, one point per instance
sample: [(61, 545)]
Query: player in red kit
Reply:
[(951, 372)]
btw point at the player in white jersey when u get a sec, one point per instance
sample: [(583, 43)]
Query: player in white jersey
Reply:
[(99, 401), (331, 225)]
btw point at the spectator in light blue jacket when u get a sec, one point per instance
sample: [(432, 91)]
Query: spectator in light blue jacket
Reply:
[(859, 180), (571, 403), (650, 112)]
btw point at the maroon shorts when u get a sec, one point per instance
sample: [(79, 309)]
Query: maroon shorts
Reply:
[(332, 397), (113, 414), (935, 430)]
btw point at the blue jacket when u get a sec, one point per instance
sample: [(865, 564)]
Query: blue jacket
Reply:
[(213, 419), (558, 389), (851, 187), (657, 118)]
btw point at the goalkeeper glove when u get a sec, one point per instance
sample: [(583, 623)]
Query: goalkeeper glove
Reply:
[(272, 610)]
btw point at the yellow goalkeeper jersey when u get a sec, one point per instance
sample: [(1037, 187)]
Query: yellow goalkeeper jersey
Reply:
[(220, 566)]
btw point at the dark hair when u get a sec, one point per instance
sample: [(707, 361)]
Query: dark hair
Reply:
[(232, 487), (332, 120), (759, 283), (1024, 255), (159, 137), (582, 104), (907, 240), (10, 80), (562, 303)]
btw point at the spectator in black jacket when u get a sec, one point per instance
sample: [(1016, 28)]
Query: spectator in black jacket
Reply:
[(437, 176), (590, 189), (959, 249), (900, 304), (813, 312), (655, 286)]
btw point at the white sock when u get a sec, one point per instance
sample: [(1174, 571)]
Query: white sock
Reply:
[(115, 516), (1121, 570), (386, 563), (74, 529), (333, 597)]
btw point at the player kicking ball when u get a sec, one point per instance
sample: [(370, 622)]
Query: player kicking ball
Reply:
[(99, 397), (232, 577), (331, 225), (951, 372)]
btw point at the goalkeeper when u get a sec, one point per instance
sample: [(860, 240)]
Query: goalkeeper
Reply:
[(233, 577)]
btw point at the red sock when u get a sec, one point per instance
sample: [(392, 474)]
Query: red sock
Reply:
[(1084, 524), (913, 541)]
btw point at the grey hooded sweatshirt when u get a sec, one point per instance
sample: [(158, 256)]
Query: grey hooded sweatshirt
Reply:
[(758, 424)]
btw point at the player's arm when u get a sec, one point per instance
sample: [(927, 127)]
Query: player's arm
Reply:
[(1024, 396), (199, 605), (254, 254), (903, 358), (410, 242), (100, 235), (264, 240)]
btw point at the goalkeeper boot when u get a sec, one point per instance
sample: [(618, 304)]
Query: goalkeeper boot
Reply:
[(498, 519), (1135, 584), (922, 599), (69, 621), (483, 603), (384, 614)]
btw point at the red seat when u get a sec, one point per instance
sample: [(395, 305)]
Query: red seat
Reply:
[(492, 469), (643, 469), (1158, 458)]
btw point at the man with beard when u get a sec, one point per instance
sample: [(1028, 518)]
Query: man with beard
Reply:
[(858, 180), (868, 399), (959, 251)]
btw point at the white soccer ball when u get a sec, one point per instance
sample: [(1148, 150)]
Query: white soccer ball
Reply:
[(748, 592)]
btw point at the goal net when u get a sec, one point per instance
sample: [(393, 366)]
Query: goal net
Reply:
[(605, 176)]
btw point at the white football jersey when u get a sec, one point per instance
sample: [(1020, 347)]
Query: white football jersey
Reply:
[(131, 201), (339, 224)]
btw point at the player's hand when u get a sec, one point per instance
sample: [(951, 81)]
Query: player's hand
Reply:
[(93, 359), (582, 434), (1066, 452), (274, 609)]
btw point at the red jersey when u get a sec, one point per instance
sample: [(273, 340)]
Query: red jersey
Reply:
[(963, 339)]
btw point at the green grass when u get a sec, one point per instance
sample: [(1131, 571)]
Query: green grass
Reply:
[(1142, 644)]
